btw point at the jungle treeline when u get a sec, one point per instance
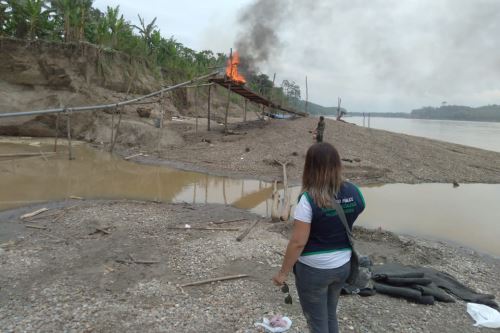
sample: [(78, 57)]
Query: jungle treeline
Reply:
[(76, 21)]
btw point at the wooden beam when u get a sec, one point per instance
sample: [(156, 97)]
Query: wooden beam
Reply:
[(223, 278), (208, 106), (68, 126)]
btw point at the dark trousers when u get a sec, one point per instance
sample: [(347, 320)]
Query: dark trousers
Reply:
[(319, 291), (319, 137)]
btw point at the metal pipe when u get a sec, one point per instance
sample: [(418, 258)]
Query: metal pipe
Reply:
[(105, 106)]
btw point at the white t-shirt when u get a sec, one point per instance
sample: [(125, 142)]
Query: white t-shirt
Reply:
[(303, 213)]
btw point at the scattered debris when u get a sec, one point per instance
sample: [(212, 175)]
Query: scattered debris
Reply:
[(276, 324), (229, 221), (74, 197), (26, 154), (295, 153), (103, 230), (36, 212), (357, 160), (204, 228), (139, 262), (247, 149), (223, 278), (132, 156), (456, 184), (347, 160), (144, 112), (247, 231), (35, 227)]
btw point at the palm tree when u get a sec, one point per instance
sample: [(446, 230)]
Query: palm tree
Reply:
[(37, 16), (74, 14), (146, 32), (4, 17)]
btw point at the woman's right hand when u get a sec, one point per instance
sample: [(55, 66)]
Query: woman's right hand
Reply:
[(279, 279)]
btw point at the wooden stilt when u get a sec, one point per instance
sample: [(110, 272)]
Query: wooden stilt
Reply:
[(57, 133), (208, 107), (160, 127), (227, 107), (112, 126), (224, 190), (68, 126), (194, 194), (196, 109), (245, 110), (228, 90), (117, 130), (206, 189)]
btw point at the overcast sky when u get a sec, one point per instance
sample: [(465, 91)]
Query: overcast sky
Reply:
[(378, 55)]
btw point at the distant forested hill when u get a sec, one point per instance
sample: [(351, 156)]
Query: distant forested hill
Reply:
[(316, 109), (458, 112), (445, 112)]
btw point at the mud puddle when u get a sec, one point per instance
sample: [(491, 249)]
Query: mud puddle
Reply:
[(468, 215)]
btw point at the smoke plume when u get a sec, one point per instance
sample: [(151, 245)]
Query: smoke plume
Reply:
[(380, 55)]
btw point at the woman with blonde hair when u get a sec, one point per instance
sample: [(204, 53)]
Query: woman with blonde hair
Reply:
[(319, 251)]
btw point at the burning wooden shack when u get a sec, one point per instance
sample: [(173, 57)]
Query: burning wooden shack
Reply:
[(235, 82)]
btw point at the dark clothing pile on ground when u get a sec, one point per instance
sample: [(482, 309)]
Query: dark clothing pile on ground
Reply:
[(422, 285)]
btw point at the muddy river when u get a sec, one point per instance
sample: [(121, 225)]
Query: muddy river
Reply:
[(468, 215)]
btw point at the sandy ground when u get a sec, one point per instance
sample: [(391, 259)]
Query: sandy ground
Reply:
[(372, 156), (71, 277)]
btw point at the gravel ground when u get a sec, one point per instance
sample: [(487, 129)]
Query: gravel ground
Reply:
[(67, 278), (378, 157)]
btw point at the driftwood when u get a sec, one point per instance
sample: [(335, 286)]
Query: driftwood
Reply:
[(35, 227), (74, 197), (36, 212), (285, 209), (280, 253), (139, 262), (223, 278), (27, 154), (204, 228), (275, 215), (40, 217), (229, 221), (101, 230), (132, 156), (247, 231)]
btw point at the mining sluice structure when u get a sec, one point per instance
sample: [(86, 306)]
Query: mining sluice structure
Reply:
[(240, 89), (233, 81)]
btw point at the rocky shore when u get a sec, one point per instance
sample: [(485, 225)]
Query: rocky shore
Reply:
[(370, 156), (115, 266)]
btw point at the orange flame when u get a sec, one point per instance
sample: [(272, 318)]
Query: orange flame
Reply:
[(232, 69)]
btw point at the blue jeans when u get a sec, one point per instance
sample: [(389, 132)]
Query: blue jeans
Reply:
[(319, 291)]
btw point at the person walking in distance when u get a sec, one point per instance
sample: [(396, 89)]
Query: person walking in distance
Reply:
[(319, 251), (320, 129)]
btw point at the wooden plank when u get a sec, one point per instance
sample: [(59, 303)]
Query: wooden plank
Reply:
[(247, 231), (36, 212), (223, 278), (204, 228)]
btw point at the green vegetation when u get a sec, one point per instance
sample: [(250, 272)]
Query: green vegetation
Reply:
[(457, 112), (445, 112), (73, 21)]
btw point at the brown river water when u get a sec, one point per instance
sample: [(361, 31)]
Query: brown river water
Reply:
[(468, 215)]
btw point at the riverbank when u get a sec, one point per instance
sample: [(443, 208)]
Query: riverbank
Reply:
[(79, 272), (370, 156)]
